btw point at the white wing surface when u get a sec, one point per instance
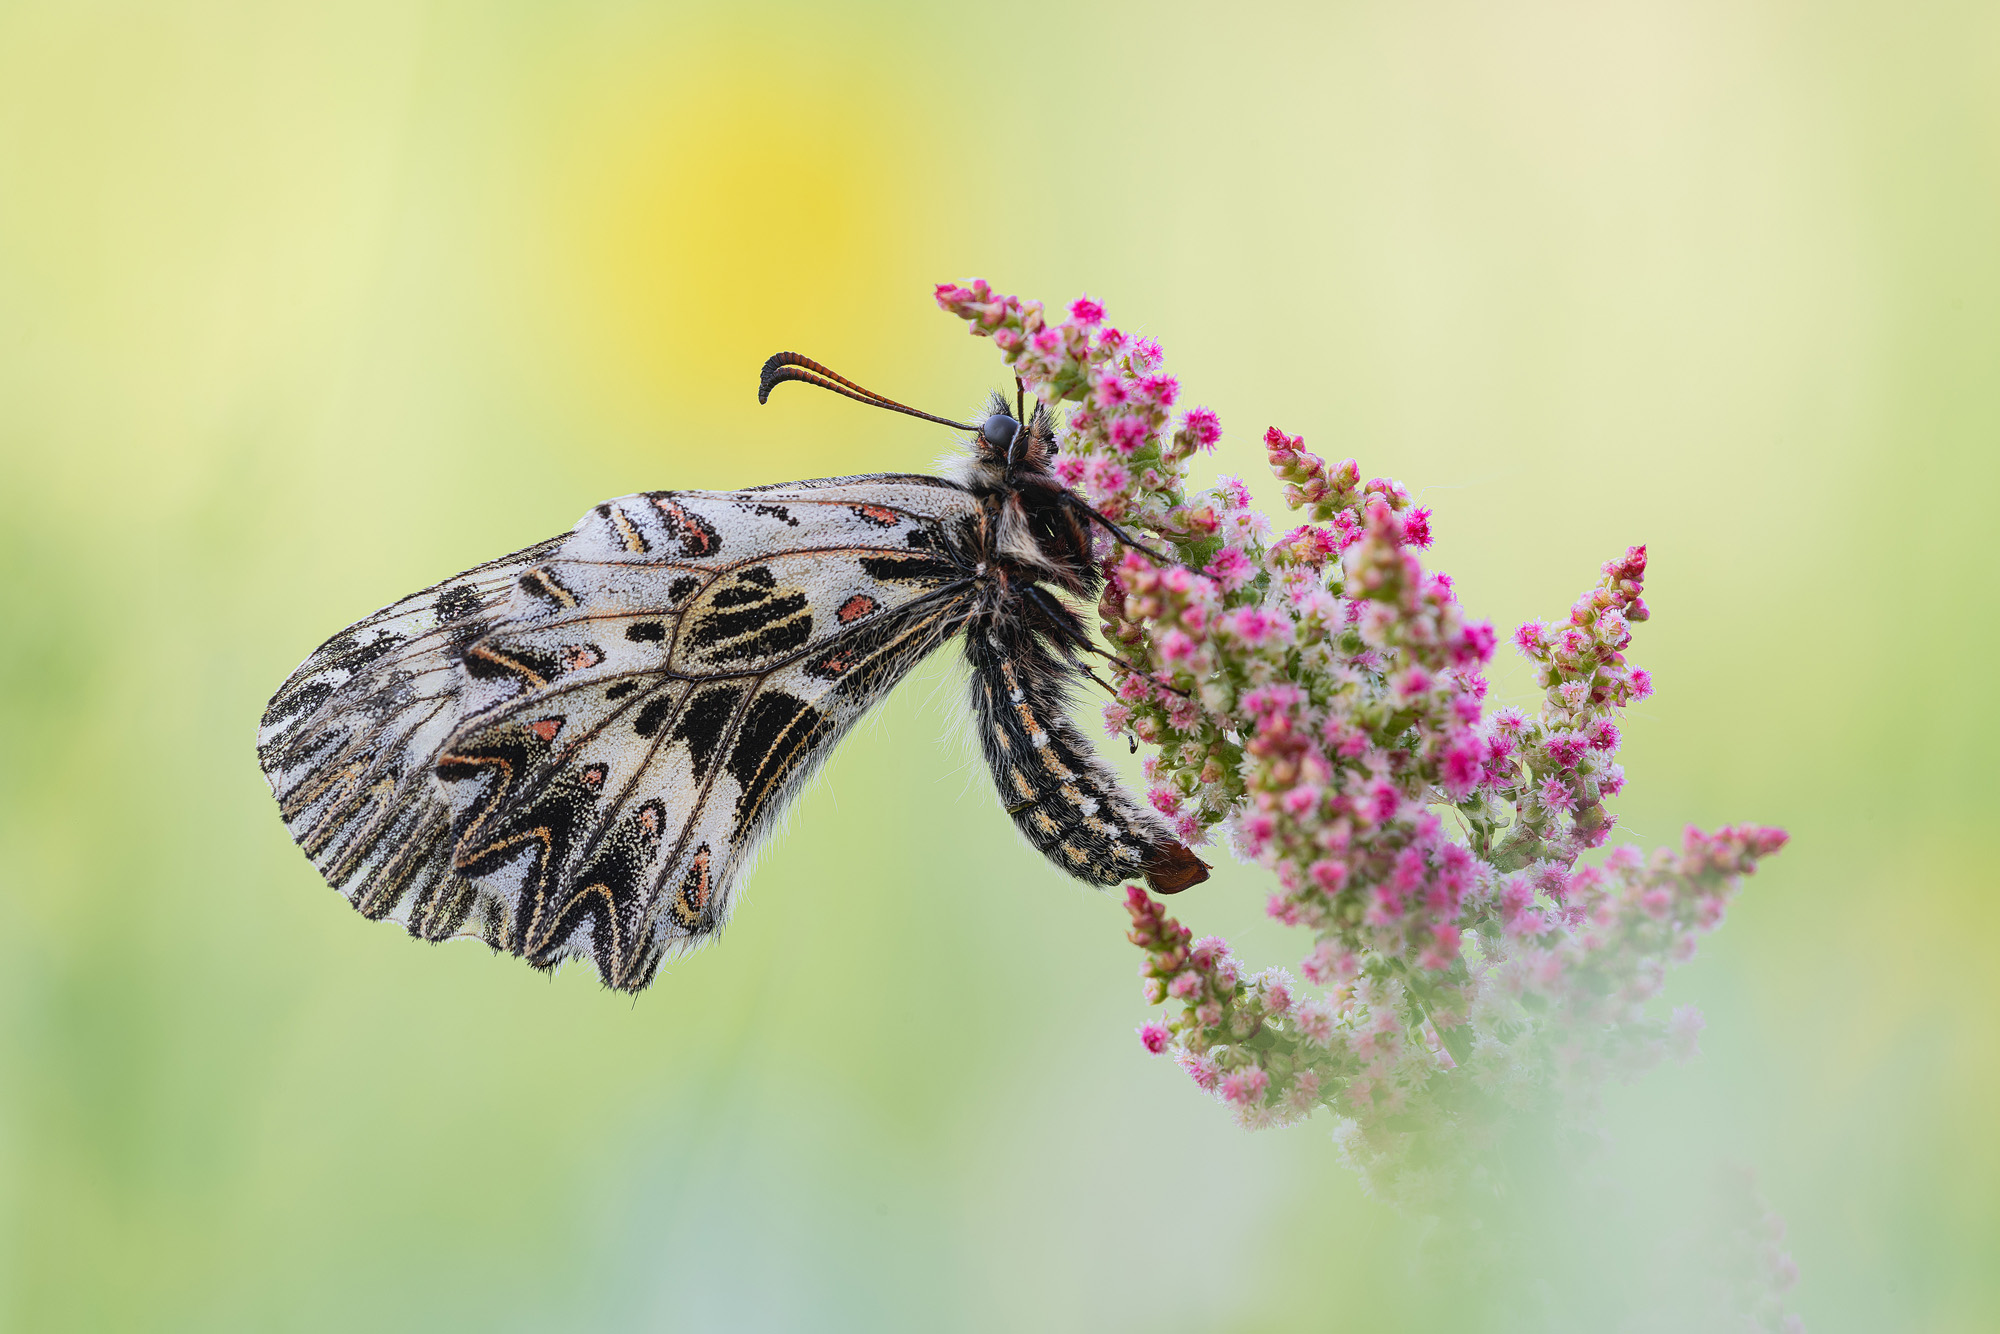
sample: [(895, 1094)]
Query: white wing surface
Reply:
[(575, 750)]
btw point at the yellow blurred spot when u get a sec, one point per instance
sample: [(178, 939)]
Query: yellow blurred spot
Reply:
[(717, 210)]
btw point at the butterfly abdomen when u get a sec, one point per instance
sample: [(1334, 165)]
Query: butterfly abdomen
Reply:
[(1062, 797)]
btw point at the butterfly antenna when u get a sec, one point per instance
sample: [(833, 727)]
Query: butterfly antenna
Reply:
[(785, 366)]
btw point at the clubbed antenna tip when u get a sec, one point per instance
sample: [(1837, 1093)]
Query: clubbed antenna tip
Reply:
[(783, 366)]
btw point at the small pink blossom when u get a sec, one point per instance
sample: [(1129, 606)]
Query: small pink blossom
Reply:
[(1254, 626), (1086, 312), (1208, 952), (1155, 1037), (1413, 682), (1200, 1069), (1230, 569), (1127, 434), (1106, 476), (1460, 770), (1556, 795), (1315, 1023), (1245, 1086), (1417, 528), (1328, 874), (1203, 427), (1566, 748), (1136, 689), (1475, 644)]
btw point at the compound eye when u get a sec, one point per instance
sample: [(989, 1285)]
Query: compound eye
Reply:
[(999, 431)]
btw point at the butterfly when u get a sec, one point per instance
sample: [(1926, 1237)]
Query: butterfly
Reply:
[(576, 749)]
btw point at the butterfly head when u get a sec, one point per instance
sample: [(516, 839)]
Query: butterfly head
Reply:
[(1015, 441), (999, 432)]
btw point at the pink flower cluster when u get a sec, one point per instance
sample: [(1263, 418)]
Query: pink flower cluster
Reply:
[(1564, 761), (1117, 449), (1321, 697)]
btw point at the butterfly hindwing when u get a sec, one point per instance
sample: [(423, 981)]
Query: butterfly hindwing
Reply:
[(348, 742)]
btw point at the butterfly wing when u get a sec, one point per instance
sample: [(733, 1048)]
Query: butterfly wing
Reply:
[(348, 744), (655, 688)]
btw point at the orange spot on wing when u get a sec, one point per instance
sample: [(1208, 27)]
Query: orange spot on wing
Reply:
[(697, 885), (693, 533), (856, 607), (546, 728)]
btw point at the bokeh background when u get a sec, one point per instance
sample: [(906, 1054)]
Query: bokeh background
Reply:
[(305, 306)]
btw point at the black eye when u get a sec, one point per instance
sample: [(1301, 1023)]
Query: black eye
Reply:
[(999, 431)]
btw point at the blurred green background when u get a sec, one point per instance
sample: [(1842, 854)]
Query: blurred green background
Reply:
[(305, 306)]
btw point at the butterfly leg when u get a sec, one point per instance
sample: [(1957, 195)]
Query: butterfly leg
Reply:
[(1063, 625)]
